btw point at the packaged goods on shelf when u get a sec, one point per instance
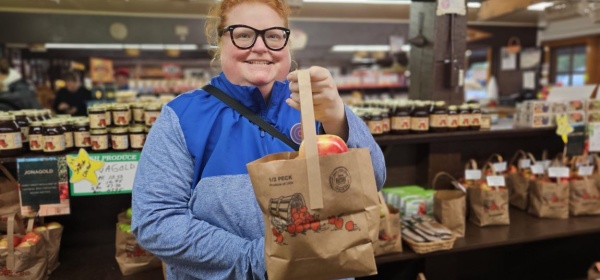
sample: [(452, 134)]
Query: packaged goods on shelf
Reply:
[(410, 200)]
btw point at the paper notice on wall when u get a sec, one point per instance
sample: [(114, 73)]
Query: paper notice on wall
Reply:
[(451, 7), (594, 136), (43, 186), (114, 175), (508, 60), (529, 80)]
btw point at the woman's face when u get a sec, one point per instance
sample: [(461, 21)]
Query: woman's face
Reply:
[(257, 66)]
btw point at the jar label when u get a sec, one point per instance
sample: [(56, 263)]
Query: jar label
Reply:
[(375, 127), (10, 141), (68, 139), (121, 117), (97, 120), (82, 139), (138, 115), (475, 120), (119, 142), (137, 140), (419, 124), (453, 121), (35, 142), (99, 142), (385, 125), (54, 143), (25, 134), (486, 122), (440, 120), (150, 117), (464, 120), (108, 118), (400, 123)]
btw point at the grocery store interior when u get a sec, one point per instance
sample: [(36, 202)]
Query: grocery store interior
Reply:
[(485, 111)]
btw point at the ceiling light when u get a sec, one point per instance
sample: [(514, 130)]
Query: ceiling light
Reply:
[(84, 46), (540, 6), (359, 48), (389, 2), (474, 4), (152, 47)]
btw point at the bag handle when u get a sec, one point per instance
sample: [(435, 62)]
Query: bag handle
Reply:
[(309, 134), (523, 155), (7, 173), (439, 175), (471, 164), (498, 157), (10, 258)]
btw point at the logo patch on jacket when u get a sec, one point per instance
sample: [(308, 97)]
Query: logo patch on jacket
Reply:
[(296, 133)]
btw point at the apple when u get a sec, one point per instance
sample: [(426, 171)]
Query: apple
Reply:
[(31, 237), (327, 144), (53, 225), (125, 228), (129, 213), (40, 229), (4, 241), (25, 244), (513, 169)]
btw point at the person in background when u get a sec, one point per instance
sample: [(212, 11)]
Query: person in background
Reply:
[(72, 98), (193, 202), (15, 92), (122, 79)]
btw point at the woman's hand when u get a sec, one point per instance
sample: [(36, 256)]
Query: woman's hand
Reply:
[(328, 105)]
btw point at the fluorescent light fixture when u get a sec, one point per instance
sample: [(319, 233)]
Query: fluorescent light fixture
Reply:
[(84, 46), (474, 4), (405, 48), (359, 48), (539, 6), (388, 2), (150, 47)]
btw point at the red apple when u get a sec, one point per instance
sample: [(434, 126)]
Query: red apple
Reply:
[(4, 241), (327, 144), (31, 237)]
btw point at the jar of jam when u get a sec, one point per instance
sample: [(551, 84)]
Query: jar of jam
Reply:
[(97, 115), (81, 134), (419, 120), (46, 114), (67, 129), (137, 137), (36, 137), (31, 115), (151, 113), (452, 118), (108, 112), (475, 123), (464, 117), (63, 116), (486, 121), (10, 136), (53, 137), (120, 115), (385, 121), (401, 119), (119, 138), (375, 123), (23, 122), (99, 139), (137, 110), (438, 117)]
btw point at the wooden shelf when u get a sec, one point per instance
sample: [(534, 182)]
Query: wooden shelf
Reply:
[(371, 86)]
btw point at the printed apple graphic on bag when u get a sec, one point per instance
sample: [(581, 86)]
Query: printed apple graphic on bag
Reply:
[(327, 144)]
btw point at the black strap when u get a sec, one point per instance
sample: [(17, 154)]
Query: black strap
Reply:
[(244, 111)]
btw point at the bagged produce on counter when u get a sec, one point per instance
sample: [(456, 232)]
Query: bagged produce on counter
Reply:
[(22, 257), (410, 200), (450, 206), (389, 239), (130, 256), (519, 175), (488, 198), (9, 193), (584, 194), (52, 234), (549, 195)]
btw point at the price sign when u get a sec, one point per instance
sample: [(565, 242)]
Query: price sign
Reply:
[(558, 172), (524, 163), (100, 174), (473, 174), (537, 169), (43, 186), (499, 167), (495, 181), (585, 170)]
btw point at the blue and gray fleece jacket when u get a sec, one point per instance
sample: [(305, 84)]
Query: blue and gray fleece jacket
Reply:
[(193, 202)]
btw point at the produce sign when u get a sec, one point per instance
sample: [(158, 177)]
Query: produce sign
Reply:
[(43, 186), (102, 173)]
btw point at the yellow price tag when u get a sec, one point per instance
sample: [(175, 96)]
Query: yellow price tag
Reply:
[(563, 127), (84, 168)]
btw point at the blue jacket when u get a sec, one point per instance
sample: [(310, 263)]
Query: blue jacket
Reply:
[(193, 202)]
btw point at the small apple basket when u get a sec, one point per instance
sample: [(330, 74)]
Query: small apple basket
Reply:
[(488, 197), (321, 213), (549, 194)]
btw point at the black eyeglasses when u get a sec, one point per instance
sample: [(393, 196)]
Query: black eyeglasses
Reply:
[(244, 37)]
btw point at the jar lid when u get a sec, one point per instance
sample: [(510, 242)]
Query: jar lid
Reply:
[(96, 109), (452, 107), (6, 117), (464, 106), (137, 128), (153, 106), (474, 106), (30, 113), (19, 113), (35, 123), (120, 106), (137, 105), (81, 122), (51, 123), (98, 131), (63, 116), (119, 130), (440, 103)]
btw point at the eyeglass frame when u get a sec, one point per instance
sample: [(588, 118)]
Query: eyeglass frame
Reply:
[(257, 32)]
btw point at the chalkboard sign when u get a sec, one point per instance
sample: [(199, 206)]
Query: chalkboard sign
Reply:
[(102, 173)]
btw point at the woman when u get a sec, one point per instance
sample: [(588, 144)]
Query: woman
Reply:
[(15, 92), (72, 99), (193, 202)]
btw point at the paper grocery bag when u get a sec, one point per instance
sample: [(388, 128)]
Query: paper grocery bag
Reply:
[(9, 193), (593, 272), (518, 182), (549, 200), (450, 206), (23, 263), (321, 214), (52, 238), (584, 197), (130, 256), (389, 239), (488, 207)]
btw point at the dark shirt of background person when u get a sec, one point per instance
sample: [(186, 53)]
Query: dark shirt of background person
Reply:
[(15, 92), (122, 79), (72, 99)]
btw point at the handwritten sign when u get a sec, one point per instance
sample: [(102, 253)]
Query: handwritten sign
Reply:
[(563, 127), (473, 174), (114, 176)]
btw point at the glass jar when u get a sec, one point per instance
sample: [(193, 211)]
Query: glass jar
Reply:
[(137, 137), (23, 122), (54, 137), (63, 116), (375, 123), (119, 138), (108, 112), (464, 117), (67, 129), (99, 139), (486, 120), (81, 134), (137, 110), (438, 118), (31, 115), (151, 113), (419, 120), (120, 115), (452, 118), (46, 114), (36, 137), (97, 117), (475, 123), (385, 121), (401, 119), (10, 136)]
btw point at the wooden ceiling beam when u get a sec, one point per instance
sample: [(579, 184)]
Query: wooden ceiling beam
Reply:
[(491, 9)]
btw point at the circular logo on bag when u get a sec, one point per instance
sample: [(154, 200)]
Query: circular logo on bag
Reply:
[(296, 133), (340, 179)]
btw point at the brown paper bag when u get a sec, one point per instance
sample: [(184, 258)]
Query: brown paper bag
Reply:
[(130, 256), (19, 224), (584, 197), (450, 206), (594, 272), (52, 238), (9, 193), (389, 239), (23, 263), (488, 206), (321, 214), (518, 182), (549, 200)]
